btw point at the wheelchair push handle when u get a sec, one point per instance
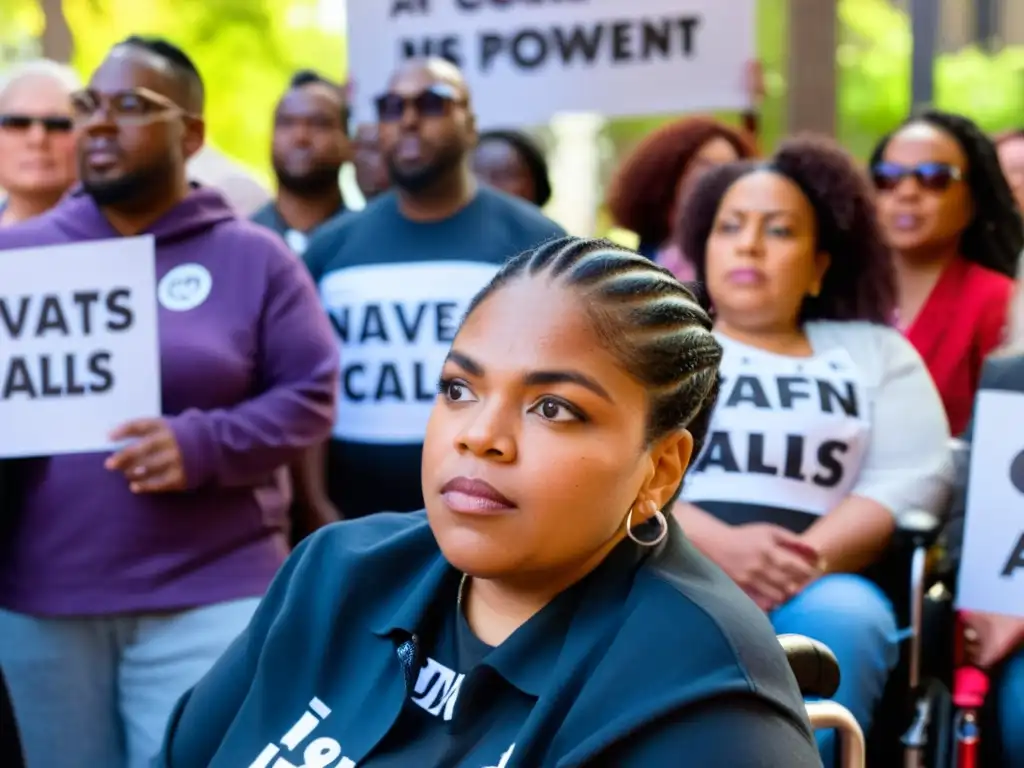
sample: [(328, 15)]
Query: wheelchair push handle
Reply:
[(813, 664), (919, 527)]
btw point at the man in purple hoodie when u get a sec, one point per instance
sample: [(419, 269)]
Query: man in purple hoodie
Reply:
[(125, 575)]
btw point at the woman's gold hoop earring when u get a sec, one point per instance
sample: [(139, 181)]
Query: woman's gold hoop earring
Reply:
[(662, 532)]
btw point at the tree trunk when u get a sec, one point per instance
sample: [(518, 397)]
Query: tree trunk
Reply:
[(57, 42), (813, 27)]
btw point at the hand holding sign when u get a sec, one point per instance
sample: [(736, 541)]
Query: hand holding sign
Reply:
[(991, 637), (770, 563), (153, 463)]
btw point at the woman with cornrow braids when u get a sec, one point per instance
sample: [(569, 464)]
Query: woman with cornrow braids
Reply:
[(951, 218), (544, 610), (828, 425)]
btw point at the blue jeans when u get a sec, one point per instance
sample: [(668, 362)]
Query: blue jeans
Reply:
[(91, 692), (855, 619), (1011, 710)]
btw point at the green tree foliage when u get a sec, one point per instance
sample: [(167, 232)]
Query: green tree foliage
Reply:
[(245, 49), (874, 59)]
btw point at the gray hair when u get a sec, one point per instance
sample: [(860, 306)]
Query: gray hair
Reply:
[(62, 74)]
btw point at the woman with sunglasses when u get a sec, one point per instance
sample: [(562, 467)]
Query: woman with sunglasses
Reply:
[(828, 425), (37, 143), (954, 227), (543, 611)]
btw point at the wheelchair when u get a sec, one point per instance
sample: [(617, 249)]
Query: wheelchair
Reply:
[(933, 711), (817, 675), (913, 723)]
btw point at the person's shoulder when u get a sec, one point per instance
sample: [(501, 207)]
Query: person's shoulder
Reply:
[(984, 283), (257, 243), (384, 549), (691, 597), (265, 215), (681, 600), (855, 332), (876, 348), (369, 536), (39, 231), (687, 636), (330, 239), (519, 213), (1004, 372)]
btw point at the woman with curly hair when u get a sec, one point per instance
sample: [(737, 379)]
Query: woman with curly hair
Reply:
[(828, 425), (952, 221), (645, 193)]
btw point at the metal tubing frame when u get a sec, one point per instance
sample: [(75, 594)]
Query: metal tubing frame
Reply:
[(828, 714), (918, 566)]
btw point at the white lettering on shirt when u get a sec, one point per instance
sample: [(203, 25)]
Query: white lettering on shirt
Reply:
[(504, 758), (437, 689), (786, 432), (322, 752)]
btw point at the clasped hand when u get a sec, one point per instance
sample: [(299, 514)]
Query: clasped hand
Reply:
[(770, 563), (153, 462), (991, 637)]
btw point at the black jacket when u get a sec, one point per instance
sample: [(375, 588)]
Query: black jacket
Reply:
[(661, 660)]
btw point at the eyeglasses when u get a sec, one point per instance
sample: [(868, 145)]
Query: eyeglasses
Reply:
[(432, 102), (934, 177), (50, 123), (133, 105)]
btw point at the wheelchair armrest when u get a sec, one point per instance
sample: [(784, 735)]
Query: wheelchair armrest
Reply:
[(815, 668), (918, 528)]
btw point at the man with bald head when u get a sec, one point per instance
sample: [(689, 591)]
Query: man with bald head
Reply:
[(396, 278), (130, 571), (37, 144)]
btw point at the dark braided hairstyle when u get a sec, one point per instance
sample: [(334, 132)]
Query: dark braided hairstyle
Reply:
[(645, 317), (995, 236)]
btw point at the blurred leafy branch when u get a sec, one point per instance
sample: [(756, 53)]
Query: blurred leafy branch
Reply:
[(873, 60), (247, 49)]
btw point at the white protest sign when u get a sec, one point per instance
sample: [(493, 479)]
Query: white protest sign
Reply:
[(992, 562), (79, 351), (525, 60)]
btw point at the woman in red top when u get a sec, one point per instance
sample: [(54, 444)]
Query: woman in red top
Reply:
[(952, 222)]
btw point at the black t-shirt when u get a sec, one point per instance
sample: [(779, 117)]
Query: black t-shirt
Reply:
[(450, 719), (298, 241), (395, 291)]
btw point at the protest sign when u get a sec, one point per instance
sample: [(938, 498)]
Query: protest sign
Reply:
[(992, 562), (79, 352), (525, 60)]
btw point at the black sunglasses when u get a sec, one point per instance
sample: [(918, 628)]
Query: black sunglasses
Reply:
[(432, 102), (50, 124), (934, 177)]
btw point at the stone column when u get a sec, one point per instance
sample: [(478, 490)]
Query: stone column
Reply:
[(575, 166)]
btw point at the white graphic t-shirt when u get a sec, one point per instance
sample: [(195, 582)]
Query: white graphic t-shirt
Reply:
[(395, 324), (789, 433)]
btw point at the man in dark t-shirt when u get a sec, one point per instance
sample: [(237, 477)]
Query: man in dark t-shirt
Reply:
[(309, 147), (397, 277)]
